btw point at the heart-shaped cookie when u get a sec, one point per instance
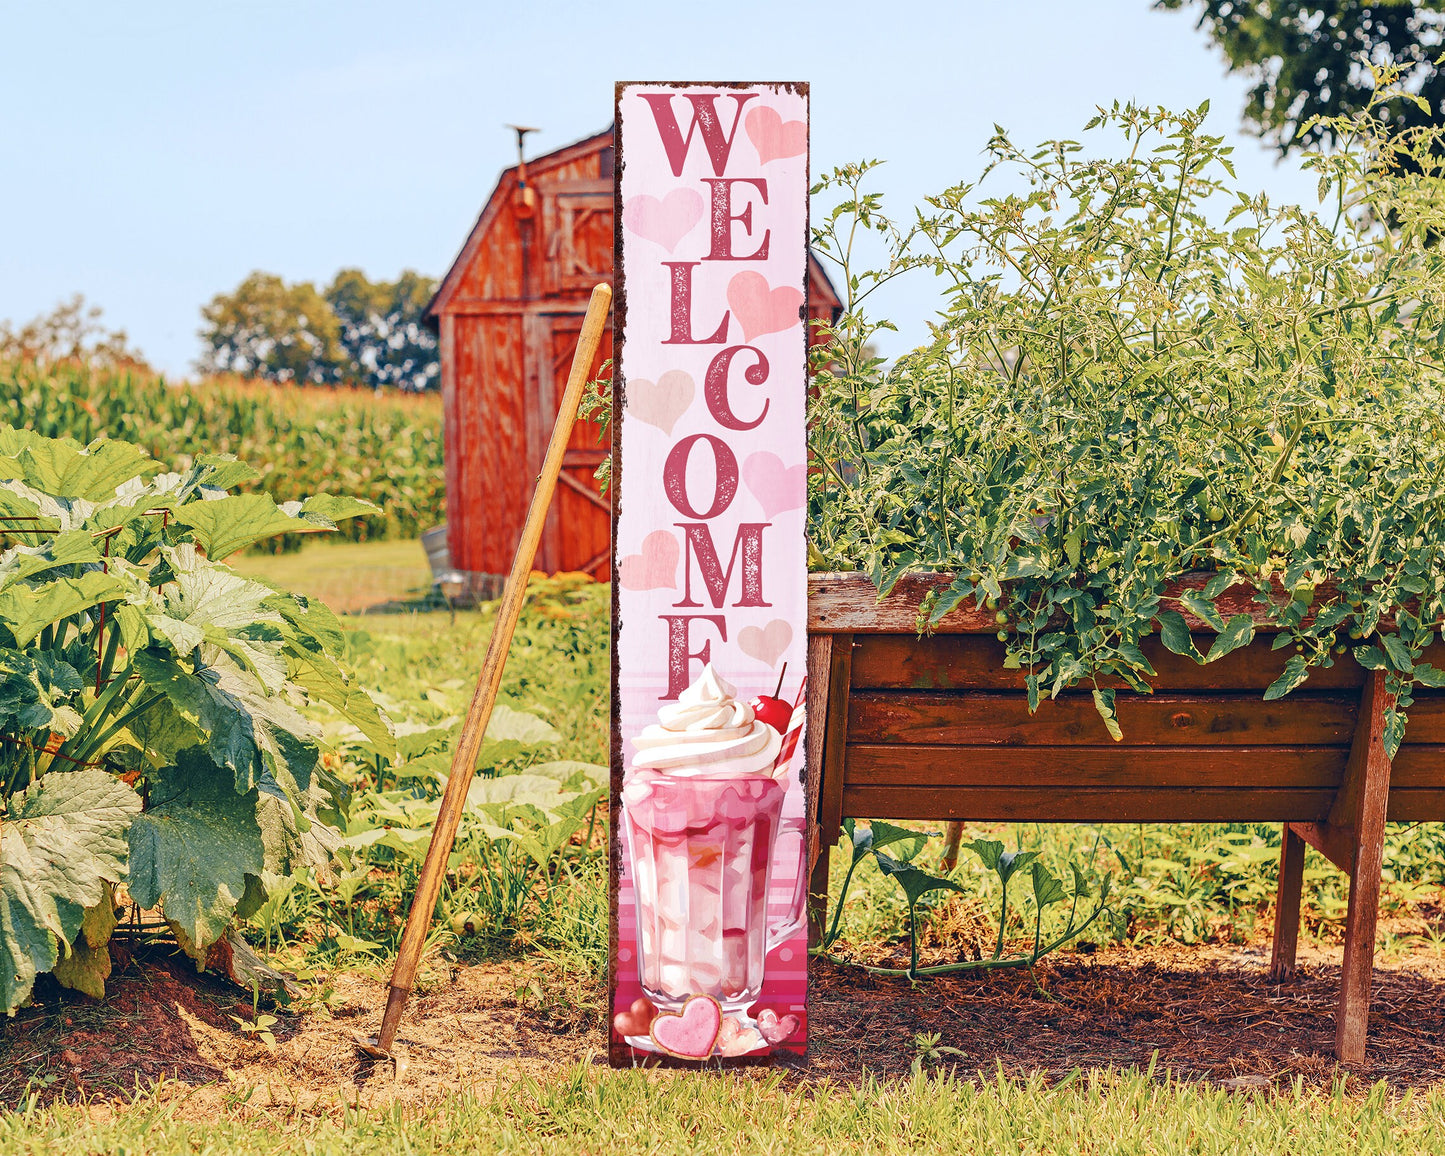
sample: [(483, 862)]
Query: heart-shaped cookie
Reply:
[(774, 1028), (691, 1033), (636, 1020), (735, 1040)]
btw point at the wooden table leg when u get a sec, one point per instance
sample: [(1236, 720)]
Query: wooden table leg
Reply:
[(1287, 905), (1368, 780), (830, 663)]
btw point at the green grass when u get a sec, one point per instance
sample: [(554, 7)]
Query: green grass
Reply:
[(1185, 882), (586, 1110), (347, 576)]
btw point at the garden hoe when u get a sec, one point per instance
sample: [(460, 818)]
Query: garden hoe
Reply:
[(464, 757)]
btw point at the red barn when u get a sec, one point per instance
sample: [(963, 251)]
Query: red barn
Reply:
[(508, 313)]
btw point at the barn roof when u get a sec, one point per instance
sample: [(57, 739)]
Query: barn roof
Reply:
[(507, 181)]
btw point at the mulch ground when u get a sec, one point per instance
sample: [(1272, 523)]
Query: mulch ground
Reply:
[(1208, 1013)]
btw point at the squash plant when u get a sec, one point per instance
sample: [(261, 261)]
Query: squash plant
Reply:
[(151, 728), (1138, 371)]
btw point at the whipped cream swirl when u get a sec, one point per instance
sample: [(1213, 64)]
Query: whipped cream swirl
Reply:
[(707, 732)]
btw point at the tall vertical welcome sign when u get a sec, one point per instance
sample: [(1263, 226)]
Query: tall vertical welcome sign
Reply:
[(709, 943)]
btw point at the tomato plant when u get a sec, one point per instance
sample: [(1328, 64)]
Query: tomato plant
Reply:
[(1139, 370)]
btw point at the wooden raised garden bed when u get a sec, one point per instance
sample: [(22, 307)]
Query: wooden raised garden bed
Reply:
[(903, 727)]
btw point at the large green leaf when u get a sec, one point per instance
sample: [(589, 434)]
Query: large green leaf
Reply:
[(229, 524), (294, 837), (62, 466), (508, 724), (191, 851), (72, 548), (324, 681), (64, 839), (244, 729), (25, 610), (325, 510), (34, 689)]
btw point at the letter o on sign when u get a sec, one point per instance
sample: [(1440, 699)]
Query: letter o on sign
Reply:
[(725, 484)]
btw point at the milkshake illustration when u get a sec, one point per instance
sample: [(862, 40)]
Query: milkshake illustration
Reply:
[(703, 802)]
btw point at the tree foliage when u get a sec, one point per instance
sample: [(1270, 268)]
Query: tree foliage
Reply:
[(355, 331), (1309, 61), (71, 332)]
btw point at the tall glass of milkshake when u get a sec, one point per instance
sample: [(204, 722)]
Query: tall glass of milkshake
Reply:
[(703, 804)]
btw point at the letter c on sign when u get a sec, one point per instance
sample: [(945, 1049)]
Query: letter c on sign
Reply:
[(725, 486), (715, 387)]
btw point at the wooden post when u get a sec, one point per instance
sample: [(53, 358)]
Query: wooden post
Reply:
[(1287, 905), (836, 677), (474, 729), (1366, 792), (820, 661)]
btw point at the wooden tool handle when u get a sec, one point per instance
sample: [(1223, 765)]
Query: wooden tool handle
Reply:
[(464, 757)]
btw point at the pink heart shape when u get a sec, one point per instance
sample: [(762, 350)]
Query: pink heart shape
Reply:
[(774, 137), (776, 1030), (655, 568), (690, 1033), (776, 486), (660, 403), (666, 221), (760, 308), (766, 643)]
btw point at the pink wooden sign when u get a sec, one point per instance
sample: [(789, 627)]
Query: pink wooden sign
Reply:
[(709, 937)]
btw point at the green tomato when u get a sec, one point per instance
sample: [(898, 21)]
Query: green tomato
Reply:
[(1002, 635), (1001, 618), (1216, 513)]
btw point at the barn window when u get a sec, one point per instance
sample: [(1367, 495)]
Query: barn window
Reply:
[(605, 168)]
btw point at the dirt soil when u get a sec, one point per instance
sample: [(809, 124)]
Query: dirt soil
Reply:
[(1209, 1012)]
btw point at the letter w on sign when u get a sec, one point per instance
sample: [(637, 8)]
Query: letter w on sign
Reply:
[(709, 943)]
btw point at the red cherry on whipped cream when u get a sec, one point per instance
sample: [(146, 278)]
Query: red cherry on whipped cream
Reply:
[(771, 709)]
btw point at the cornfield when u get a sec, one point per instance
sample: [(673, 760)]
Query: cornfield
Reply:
[(386, 448)]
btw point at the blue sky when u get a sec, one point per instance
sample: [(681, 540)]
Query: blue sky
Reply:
[(158, 152)]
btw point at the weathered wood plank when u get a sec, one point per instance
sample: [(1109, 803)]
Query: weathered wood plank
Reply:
[(975, 662), (850, 602), (1416, 806), (1062, 769), (1088, 804), (990, 718)]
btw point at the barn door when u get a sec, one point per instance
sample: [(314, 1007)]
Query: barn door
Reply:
[(579, 526)]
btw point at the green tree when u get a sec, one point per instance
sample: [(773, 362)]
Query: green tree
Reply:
[(385, 338), (1311, 58), (275, 331)]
